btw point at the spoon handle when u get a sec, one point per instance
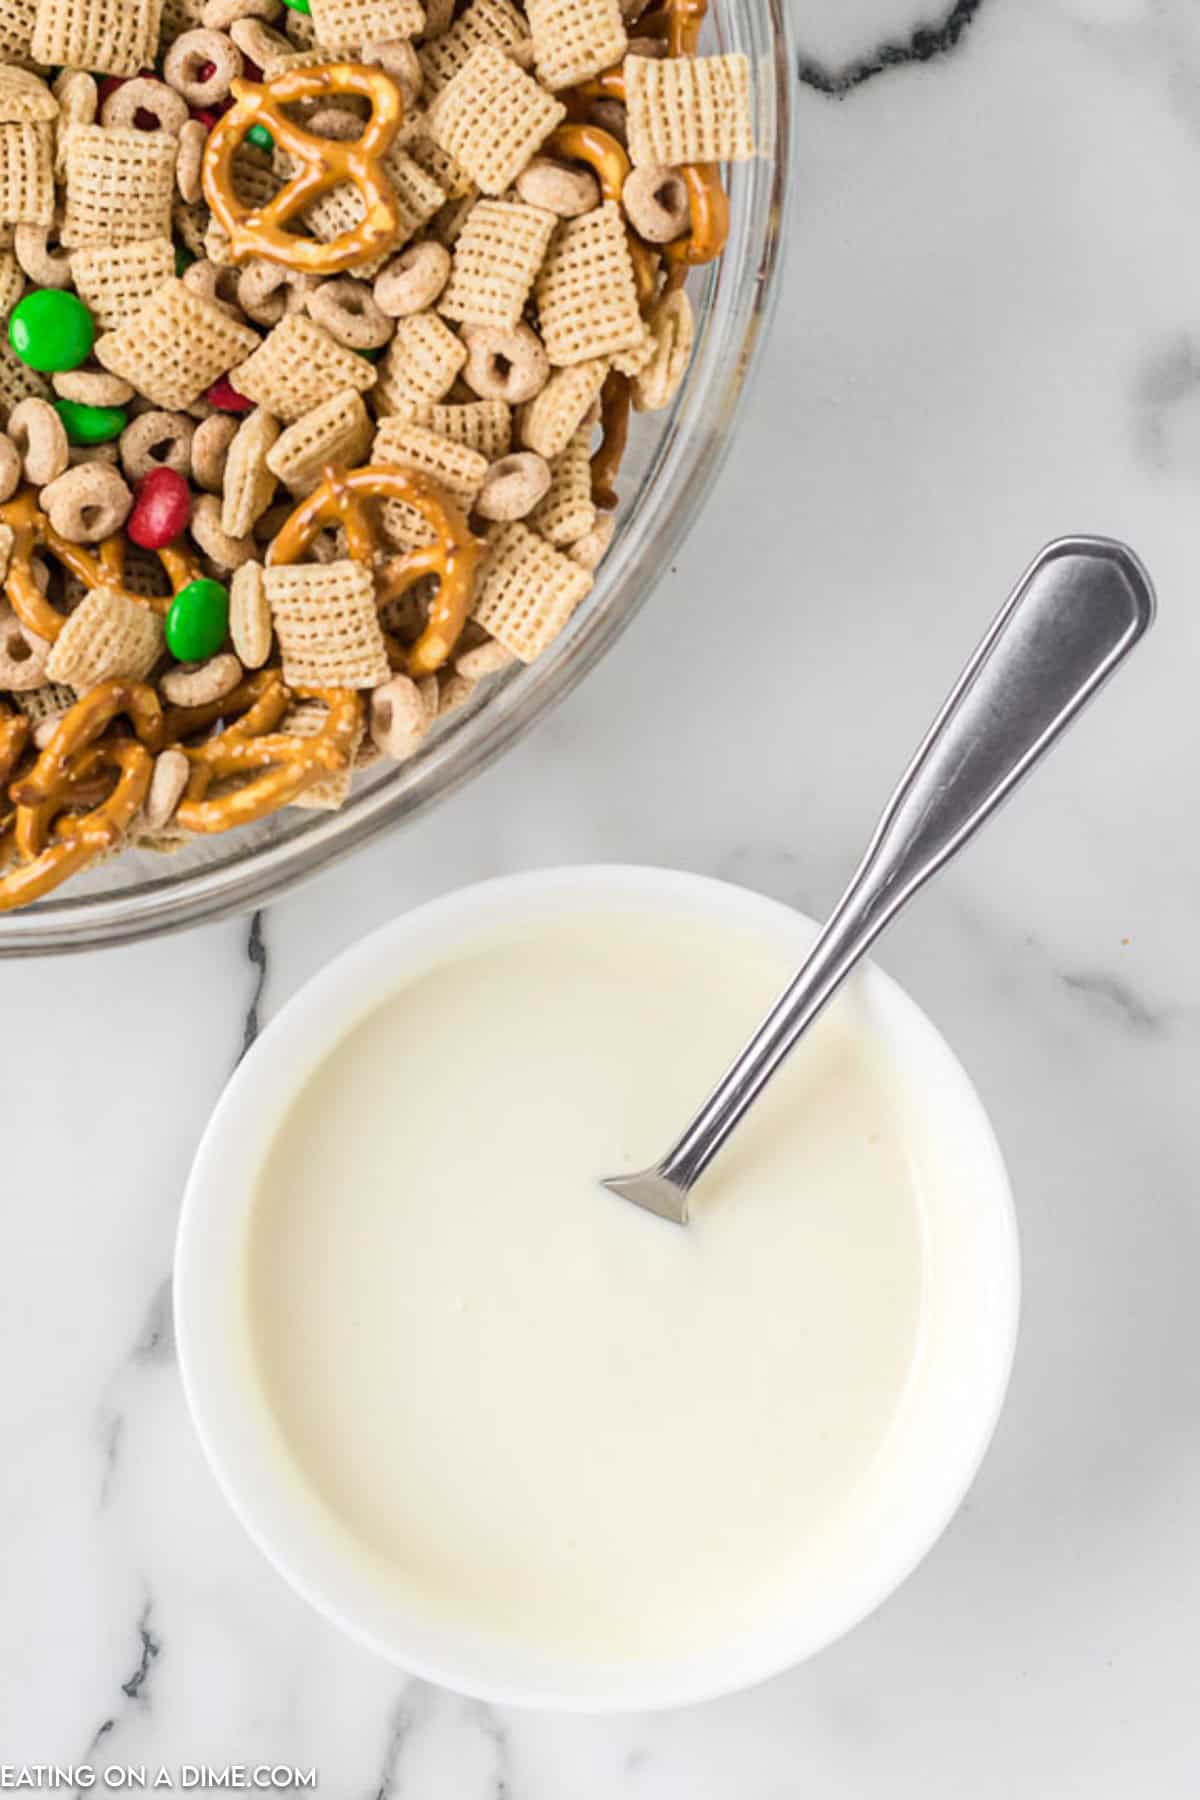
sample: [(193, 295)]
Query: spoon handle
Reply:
[(1072, 619)]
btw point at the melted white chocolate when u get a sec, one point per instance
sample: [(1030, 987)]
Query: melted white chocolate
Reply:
[(537, 1409)]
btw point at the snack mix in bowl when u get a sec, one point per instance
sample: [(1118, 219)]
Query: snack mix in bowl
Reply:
[(318, 357)]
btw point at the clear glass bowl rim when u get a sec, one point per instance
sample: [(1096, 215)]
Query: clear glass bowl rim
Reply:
[(733, 310)]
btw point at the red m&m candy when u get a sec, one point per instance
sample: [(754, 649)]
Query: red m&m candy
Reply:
[(162, 506), (225, 397)]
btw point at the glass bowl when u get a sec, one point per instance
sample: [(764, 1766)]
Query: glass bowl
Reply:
[(672, 459)]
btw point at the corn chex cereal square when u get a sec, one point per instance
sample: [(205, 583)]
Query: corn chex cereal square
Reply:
[(688, 109), (119, 185), (586, 294), (111, 37), (496, 259), (419, 366), (337, 431), (16, 29), (483, 22), (349, 24), (527, 591), (567, 510), (454, 468), (108, 637), (573, 39), (114, 284), (492, 117), (326, 624), (484, 425), (27, 172), (297, 365), (23, 98), (175, 347)]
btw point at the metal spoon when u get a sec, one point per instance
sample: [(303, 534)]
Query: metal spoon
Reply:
[(1073, 618)]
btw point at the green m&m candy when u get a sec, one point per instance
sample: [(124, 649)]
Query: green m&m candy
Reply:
[(51, 330), (258, 134), (196, 625), (91, 424), (301, 6)]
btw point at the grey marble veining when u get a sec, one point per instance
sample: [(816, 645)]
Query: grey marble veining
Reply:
[(990, 335)]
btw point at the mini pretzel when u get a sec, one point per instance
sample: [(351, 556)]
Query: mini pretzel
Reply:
[(324, 163), (33, 531), (615, 398), (453, 558), (679, 21), (63, 778), (281, 765), (601, 152)]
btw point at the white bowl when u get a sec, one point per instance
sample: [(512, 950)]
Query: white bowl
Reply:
[(916, 1483)]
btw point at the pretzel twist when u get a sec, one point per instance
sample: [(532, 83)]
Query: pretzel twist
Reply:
[(104, 567), (280, 765), (55, 840), (615, 398), (324, 163), (341, 499)]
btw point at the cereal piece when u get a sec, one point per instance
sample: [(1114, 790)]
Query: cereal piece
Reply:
[(298, 365), (16, 378), (23, 97), (418, 197), (192, 224), (201, 66), (456, 469), (337, 431), (496, 259), (87, 503), (483, 22), (419, 366), (91, 387), (436, 162), (44, 707), (12, 280), (227, 551), (527, 591), (326, 623), (564, 189), (491, 118), (656, 203), (586, 294), (397, 58), (41, 438), (210, 451), (16, 29), (249, 615), (27, 173), (176, 346), (108, 637), (688, 109), (199, 684), (249, 483), (22, 654), (157, 440), (267, 290), (672, 330), (304, 720), (145, 94), (589, 549), (412, 281), (119, 186), (483, 425), (454, 690), (349, 24), (347, 310), (115, 284), (398, 718), (45, 266), (633, 361), (549, 422), (505, 365), (115, 37), (189, 159), (10, 481), (446, 226), (513, 486), (488, 658), (573, 39), (567, 513)]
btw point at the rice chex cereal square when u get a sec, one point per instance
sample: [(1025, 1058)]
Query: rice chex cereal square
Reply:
[(527, 591), (573, 39), (688, 109), (114, 284), (120, 184), (297, 365), (110, 37), (492, 117), (175, 347), (586, 294), (326, 624), (496, 259)]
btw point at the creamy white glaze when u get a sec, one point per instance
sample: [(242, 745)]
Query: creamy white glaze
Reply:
[(535, 1408)]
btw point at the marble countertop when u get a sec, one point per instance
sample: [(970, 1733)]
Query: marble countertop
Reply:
[(989, 335)]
